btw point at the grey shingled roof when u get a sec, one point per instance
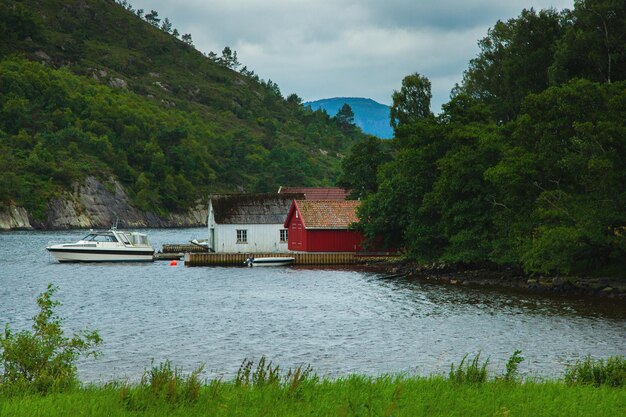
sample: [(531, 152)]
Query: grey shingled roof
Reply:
[(317, 193), (252, 208)]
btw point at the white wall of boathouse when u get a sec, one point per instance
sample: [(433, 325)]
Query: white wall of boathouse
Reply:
[(259, 237)]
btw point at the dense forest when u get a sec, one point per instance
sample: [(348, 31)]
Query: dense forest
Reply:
[(525, 166), (92, 87)]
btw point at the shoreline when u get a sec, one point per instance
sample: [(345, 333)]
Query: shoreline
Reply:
[(607, 288), (594, 287)]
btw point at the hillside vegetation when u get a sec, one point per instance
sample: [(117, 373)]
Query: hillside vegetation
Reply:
[(524, 167), (89, 88)]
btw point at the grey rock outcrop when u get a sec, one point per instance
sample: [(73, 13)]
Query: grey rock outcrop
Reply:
[(44, 57), (12, 217), (118, 83), (97, 204)]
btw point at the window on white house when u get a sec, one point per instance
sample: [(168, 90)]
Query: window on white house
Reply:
[(283, 235), (242, 236)]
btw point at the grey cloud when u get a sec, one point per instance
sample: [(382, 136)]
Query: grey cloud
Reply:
[(448, 14), (361, 48)]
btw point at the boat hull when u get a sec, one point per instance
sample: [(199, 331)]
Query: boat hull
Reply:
[(277, 261), (94, 255)]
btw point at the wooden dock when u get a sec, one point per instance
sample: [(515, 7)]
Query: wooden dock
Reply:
[(184, 248), (238, 259), (159, 256)]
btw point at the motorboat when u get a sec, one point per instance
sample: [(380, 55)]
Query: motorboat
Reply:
[(203, 243), (270, 261), (105, 246)]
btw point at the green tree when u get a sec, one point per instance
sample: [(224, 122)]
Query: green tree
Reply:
[(15, 113), (345, 118), (166, 25), (44, 360), (229, 58), (359, 169), (560, 181), (147, 197), (152, 18), (453, 223), (294, 99), (513, 61), (187, 39), (412, 102), (17, 22), (402, 186), (594, 44)]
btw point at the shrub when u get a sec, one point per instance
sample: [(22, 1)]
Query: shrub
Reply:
[(264, 374), (512, 364), (295, 378), (163, 384), (469, 372), (171, 385), (44, 360), (611, 372)]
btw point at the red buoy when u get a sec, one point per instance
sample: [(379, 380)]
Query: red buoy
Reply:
[(173, 263)]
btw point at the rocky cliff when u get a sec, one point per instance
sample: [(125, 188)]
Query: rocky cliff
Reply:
[(96, 204), (12, 217)]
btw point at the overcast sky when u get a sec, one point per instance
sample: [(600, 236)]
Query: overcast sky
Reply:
[(345, 48)]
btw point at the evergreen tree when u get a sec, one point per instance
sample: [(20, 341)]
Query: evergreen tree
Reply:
[(166, 25), (345, 118), (229, 58), (152, 18), (187, 39)]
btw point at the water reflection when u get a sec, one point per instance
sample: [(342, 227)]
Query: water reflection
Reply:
[(515, 301)]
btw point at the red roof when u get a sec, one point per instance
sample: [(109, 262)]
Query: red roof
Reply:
[(327, 214), (317, 193)]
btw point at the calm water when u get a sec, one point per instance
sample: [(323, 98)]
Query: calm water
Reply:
[(340, 321)]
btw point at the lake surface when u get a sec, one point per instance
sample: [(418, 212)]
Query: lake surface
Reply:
[(339, 321)]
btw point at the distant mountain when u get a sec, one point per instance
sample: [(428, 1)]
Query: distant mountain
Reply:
[(371, 116)]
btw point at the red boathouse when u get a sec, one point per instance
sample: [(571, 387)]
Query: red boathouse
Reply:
[(323, 226)]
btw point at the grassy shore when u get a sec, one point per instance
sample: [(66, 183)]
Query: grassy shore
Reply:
[(38, 377), (351, 396)]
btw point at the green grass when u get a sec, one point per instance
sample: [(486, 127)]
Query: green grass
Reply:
[(350, 396), (598, 372)]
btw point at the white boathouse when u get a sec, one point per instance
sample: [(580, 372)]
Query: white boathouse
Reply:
[(249, 223)]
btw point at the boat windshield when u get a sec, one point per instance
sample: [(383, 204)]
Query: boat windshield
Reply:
[(100, 237), (124, 238), (139, 239)]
